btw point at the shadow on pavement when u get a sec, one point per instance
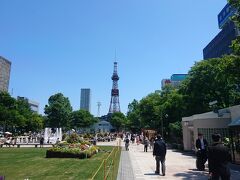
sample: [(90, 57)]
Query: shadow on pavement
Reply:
[(195, 170), (192, 174), (151, 174), (235, 167), (185, 153)]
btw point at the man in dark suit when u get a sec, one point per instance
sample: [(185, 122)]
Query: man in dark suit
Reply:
[(218, 158), (160, 150), (201, 145)]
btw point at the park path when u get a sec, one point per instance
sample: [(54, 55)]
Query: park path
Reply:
[(139, 165)]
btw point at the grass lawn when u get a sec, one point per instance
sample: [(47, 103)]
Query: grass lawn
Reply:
[(30, 163)]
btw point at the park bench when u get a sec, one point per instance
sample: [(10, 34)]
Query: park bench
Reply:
[(35, 145), (19, 145)]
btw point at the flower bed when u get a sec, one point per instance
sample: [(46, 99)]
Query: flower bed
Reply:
[(65, 150)]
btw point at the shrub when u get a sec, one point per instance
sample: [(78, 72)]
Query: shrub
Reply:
[(64, 136), (73, 138), (71, 152)]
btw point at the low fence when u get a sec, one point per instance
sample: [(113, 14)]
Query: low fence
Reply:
[(109, 167)]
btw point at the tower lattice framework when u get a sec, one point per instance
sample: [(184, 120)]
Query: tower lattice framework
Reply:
[(114, 104)]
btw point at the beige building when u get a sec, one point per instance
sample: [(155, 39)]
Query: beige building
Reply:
[(5, 68), (207, 124)]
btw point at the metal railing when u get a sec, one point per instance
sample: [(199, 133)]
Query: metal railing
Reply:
[(108, 168)]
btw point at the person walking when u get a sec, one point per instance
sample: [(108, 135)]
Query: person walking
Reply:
[(41, 142), (218, 159), (127, 143), (137, 140), (201, 145), (151, 143), (132, 138), (159, 151), (146, 143)]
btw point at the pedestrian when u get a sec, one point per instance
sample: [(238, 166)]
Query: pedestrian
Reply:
[(218, 159), (151, 143), (137, 140), (159, 151), (13, 141), (132, 138), (146, 143), (8, 142), (201, 145), (41, 142), (127, 144)]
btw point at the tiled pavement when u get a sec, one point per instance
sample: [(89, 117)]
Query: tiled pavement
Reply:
[(125, 170), (139, 165)]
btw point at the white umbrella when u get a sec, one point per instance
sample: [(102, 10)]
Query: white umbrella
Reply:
[(7, 133)]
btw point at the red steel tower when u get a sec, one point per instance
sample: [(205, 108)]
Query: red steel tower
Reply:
[(114, 104)]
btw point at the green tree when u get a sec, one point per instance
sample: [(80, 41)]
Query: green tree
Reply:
[(35, 123), (149, 111), (173, 110), (58, 111), (82, 119), (236, 19), (16, 115), (175, 132), (118, 120), (133, 117), (5, 105), (9, 116), (209, 80)]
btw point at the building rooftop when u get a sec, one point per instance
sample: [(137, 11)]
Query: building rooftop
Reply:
[(5, 60)]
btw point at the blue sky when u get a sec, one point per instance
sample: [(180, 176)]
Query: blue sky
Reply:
[(65, 45)]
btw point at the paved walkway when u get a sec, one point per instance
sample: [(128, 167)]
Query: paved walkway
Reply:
[(139, 165)]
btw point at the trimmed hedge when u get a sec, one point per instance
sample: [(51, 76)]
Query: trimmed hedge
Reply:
[(58, 152)]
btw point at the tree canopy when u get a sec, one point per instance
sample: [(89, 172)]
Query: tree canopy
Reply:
[(58, 111), (16, 115), (209, 80), (236, 19), (82, 119), (118, 120)]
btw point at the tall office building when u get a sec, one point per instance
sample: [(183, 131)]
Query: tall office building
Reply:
[(174, 81), (34, 106), (85, 101), (5, 68), (220, 44)]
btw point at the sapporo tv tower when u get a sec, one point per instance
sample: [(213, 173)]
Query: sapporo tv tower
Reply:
[(114, 104)]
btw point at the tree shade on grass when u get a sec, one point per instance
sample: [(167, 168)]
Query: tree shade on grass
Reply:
[(30, 163)]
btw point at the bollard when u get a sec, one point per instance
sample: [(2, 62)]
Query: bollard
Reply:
[(113, 169), (104, 173)]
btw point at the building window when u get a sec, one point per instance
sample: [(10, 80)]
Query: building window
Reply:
[(207, 133)]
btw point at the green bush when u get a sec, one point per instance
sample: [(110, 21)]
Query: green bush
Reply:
[(64, 136), (66, 152), (73, 138)]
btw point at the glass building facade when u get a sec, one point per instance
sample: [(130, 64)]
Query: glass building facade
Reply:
[(85, 99), (5, 68), (220, 45)]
